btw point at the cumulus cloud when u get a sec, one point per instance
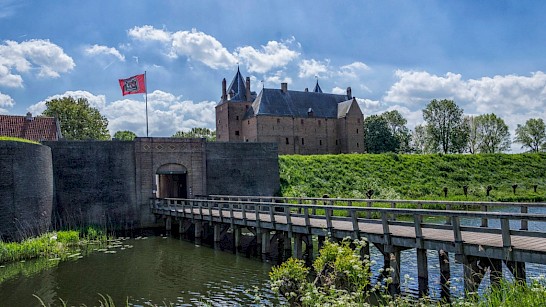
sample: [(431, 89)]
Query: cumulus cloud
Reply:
[(167, 113), (277, 78), (5, 101), (353, 70), (274, 54), (204, 48), (193, 44), (104, 50), (310, 68), (47, 58)]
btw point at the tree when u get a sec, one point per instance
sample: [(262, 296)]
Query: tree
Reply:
[(492, 134), (378, 138), (445, 126), (470, 123), (532, 135), (397, 125), (420, 142), (78, 120), (124, 135), (197, 132)]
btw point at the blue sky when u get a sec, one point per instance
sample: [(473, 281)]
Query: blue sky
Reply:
[(488, 56)]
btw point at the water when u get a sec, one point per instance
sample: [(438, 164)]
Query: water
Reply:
[(155, 271)]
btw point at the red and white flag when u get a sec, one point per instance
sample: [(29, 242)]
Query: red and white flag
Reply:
[(133, 85)]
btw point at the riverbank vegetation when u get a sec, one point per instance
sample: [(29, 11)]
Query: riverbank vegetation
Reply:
[(487, 177), (341, 278), (53, 245), (13, 139)]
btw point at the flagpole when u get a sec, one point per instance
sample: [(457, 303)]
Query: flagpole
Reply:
[(146, 98)]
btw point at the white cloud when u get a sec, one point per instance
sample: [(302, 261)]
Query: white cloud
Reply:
[(273, 55), (5, 101), (353, 70), (193, 44), (100, 50), (310, 68), (42, 55), (167, 113), (277, 79), (149, 33)]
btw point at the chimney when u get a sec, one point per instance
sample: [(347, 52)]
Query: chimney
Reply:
[(349, 93), (284, 87), (247, 88), (306, 89), (224, 93), (29, 116)]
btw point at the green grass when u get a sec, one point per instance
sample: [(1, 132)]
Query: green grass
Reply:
[(13, 139), (401, 176)]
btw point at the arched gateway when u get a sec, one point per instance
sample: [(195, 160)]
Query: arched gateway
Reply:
[(172, 181)]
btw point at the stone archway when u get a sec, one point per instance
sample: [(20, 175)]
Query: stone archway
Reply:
[(172, 181)]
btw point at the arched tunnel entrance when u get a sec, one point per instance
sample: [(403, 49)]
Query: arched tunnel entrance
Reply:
[(172, 181)]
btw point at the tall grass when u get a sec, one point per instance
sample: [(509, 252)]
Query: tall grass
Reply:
[(399, 176)]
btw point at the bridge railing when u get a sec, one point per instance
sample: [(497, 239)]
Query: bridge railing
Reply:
[(521, 207), (259, 212)]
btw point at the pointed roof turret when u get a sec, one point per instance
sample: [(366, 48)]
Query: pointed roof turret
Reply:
[(237, 90), (317, 88)]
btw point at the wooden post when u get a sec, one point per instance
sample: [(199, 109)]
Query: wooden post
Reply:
[(394, 287), (198, 232), (237, 239), (216, 235), (445, 276), (495, 275), (524, 223), (298, 252), (320, 242), (259, 232), (168, 224), (473, 274), (287, 242), (266, 245), (422, 272), (518, 270)]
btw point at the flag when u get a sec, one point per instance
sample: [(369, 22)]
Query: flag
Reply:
[(133, 85)]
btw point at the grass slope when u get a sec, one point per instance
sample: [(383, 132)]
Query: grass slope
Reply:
[(396, 176)]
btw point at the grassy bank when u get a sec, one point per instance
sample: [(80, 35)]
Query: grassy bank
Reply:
[(13, 139), (397, 176), (54, 245)]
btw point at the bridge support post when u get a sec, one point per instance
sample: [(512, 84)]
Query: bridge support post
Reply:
[(308, 240), (287, 246), (259, 232), (422, 271), (445, 276), (236, 239), (495, 274), (320, 242), (217, 235), (198, 233), (394, 287), (298, 242), (266, 245), (168, 223), (473, 271)]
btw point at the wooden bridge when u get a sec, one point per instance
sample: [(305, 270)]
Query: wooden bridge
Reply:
[(499, 237)]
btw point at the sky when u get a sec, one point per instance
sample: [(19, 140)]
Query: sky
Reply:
[(487, 56)]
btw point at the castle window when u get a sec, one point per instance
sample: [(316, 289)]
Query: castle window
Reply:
[(237, 132), (278, 120), (287, 142), (357, 145), (246, 107), (302, 141), (336, 142), (356, 131), (248, 122), (358, 120), (237, 118), (301, 121), (319, 122), (320, 142)]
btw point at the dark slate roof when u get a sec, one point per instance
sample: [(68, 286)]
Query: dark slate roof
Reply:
[(295, 103), (30, 128), (317, 88), (237, 88)]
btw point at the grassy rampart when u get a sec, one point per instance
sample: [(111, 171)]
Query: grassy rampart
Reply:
[(397, 176)]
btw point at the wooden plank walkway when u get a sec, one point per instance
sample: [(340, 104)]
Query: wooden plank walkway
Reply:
[(504, 243)]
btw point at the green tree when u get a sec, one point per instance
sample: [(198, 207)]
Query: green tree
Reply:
[(492, 134), (78, 120), (470, 123), (397, 124), (378, 137), (532, 135), (124, 135), (197, 132), (420, 142), (445, 126)]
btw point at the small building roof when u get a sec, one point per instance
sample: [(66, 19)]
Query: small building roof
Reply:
[(317, 88), (237, 88), (295, 103), (38, 128)]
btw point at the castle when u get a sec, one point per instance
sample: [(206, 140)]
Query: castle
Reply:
[(300, 122)]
